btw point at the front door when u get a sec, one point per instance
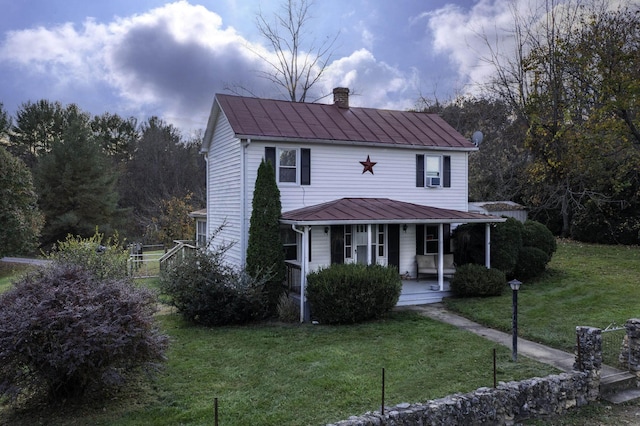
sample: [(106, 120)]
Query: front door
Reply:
[(360, 240)]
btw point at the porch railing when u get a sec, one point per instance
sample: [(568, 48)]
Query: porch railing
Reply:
[(176, 254), (292, 277)]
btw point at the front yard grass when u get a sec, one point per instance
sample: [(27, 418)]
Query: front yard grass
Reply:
[(276, 374), (586, 284)]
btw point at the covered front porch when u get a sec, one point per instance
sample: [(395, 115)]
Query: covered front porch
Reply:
[(376, 231)]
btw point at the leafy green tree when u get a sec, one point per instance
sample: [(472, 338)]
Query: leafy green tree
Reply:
[(265, 253), (174, 222), (5, 124), (76, 185), (19, 215), (116, 135), (38, 125), (163, 166)]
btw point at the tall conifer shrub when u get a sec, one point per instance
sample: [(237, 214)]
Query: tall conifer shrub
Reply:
[(265, 252)]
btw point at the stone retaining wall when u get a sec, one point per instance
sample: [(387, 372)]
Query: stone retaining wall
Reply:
[(509, 402)]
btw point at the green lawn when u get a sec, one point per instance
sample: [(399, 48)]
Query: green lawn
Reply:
[(589, 285), (274, 374), (8, 271), (278, 374)]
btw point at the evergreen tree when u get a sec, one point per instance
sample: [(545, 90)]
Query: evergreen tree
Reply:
[(77, 188), (265, 253), (20, 219)]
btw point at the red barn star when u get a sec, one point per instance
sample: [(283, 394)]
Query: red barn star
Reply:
[(368, 165)]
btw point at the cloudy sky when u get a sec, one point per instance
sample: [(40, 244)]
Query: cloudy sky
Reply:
[(152, 57)]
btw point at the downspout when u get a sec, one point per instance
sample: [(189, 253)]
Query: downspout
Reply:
[(244, 143), (441, 257), (304, 265), (487, 245), (206, 201)]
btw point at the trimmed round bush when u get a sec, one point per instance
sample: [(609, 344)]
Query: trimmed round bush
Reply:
[(506, 241), (67, 334), (531, 263), (351, 293), (208, 292), (472, 280), (535, 234)]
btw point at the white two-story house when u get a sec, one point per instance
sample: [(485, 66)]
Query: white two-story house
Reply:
[(357, 184)]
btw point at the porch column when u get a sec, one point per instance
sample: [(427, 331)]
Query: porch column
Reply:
[(304, 265), (487, 245), (369, 244), (441, 256)]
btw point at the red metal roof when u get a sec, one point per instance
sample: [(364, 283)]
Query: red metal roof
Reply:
[(379, 210), (283, 120)]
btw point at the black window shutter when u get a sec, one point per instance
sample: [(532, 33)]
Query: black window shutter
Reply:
[(446, 230), (305, 166), (420, 171), (270, 156), (446, 166), (337, 244), (309, 235), (419, 239)]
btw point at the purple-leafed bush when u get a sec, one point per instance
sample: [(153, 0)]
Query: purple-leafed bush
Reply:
[(66, 334)]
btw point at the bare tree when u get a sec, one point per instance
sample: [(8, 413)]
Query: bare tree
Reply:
[(297, 64)]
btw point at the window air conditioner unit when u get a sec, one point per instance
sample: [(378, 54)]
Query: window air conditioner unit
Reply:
[(433, 181)]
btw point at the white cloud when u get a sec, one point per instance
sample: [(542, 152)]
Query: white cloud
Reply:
[(374, 83), (171, 60)]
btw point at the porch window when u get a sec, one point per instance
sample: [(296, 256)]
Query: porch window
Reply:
[(347, 242), (380, 240), (289, 239), (431, 239)]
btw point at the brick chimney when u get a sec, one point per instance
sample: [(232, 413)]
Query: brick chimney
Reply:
[(341, 97)]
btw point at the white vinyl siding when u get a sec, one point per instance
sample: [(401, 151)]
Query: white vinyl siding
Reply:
[(336, 173), (224, 189)]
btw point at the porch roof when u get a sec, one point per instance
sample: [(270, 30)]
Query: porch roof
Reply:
[(379, 210)]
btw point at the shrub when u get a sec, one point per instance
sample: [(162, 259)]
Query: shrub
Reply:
[(506, 241), (206, 291), (67, 334), (531, 263), (350, 293), (535, 234), (472, 280), (104, 258)]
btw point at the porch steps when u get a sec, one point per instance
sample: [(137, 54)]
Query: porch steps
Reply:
[(421, 297), (619, 387)]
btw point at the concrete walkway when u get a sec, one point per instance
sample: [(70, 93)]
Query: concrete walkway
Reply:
[(554, 357), (37, 262)]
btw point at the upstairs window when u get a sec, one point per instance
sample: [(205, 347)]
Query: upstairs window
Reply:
[(287, 162), (292, 165), (433, 171)]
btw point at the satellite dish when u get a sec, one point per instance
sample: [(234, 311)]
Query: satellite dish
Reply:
[(477, 138)]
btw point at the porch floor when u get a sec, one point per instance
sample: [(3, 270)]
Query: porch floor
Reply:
[(422, 292)]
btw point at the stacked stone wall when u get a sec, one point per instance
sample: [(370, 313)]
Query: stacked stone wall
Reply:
[(509, 402)]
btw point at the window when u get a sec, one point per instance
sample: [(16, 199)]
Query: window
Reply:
[(292, 165), (431, 240), (287, 161), (347, 241), (202, 233), (289, 239), (380, 240), (433, 171)]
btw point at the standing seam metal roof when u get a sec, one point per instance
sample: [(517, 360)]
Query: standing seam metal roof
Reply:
[(273, 119), (369, 210)]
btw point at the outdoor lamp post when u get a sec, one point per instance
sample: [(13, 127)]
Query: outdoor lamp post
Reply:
[(515, 286)]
